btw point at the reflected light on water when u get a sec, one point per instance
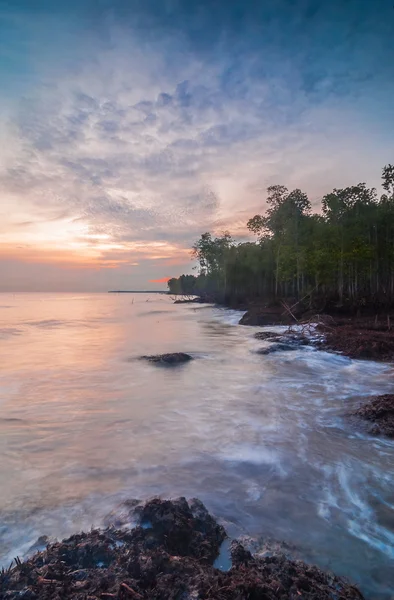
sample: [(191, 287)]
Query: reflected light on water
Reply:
[(262, 440)]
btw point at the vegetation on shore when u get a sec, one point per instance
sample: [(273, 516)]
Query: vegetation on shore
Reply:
[(343, 254)]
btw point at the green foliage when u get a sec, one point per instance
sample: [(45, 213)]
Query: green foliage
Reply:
[(185, 285), (346, 252), (388, 179)]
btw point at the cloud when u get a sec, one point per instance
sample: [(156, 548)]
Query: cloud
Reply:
[(136, 136)]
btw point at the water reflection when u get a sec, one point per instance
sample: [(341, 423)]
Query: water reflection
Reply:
[(261, 439)]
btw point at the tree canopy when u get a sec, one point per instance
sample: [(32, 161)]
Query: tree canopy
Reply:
[(345, 252)]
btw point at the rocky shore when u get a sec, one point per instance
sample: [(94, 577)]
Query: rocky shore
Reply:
[(169, 555), (378, 413), (361, 337)]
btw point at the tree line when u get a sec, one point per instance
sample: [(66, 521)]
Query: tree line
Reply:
[(344, 253)]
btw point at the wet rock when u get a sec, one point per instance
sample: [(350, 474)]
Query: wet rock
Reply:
[(263, 315), (122, 515), (380, 412), (173, 358), (262, 318), (171, 560), (297, 339), (183, 529), (239, 555), (277, 348), (39, 544), (267, 335), (289, 338)]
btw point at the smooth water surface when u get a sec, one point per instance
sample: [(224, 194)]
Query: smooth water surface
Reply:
[(262, 440)]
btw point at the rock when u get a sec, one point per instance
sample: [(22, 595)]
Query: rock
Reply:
[(266, 315), (39, 544), (183, 529), (276, 348), (171, 559), (292, 338), (267, 335), (173, 358), (379, 411)]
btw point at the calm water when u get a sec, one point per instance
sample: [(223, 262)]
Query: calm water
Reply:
[(260, 439)]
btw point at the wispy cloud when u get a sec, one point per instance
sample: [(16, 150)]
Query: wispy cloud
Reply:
[(128, 142)]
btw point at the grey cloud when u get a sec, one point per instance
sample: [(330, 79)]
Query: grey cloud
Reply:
[(108, 126), (141, 160), (163, 99), (144, 106)]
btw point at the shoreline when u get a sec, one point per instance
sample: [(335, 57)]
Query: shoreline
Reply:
[(361, 338), (172, 553), (366, 336)]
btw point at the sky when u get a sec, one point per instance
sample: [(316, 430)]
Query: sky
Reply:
[(130, 127)]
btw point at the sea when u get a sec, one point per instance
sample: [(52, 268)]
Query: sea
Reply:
[(264, 441)]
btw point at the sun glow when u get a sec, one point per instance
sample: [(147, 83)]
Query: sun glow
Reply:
[(70, 243)]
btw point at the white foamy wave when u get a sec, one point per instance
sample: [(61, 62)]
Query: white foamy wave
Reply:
[(228, 316), (245, 453)]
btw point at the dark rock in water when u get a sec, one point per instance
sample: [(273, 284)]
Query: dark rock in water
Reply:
[(380, 412), (291, 338), (267, 335), (277, 348), (262, 316), (183, 529), (171, 560), (173, 358)]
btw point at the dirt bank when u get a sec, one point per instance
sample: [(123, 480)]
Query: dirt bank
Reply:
[(363, 338), (169, 556)]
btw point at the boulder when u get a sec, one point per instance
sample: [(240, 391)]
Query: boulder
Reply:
[(172, 358)]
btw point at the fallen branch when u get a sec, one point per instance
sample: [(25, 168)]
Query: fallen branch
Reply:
[(129, 590), (288, 309), (43, 581)]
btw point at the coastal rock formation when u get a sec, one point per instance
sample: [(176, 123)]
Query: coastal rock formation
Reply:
[(173, 358), (379, 411), (169, 556)]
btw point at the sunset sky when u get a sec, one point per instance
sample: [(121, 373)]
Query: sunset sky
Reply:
[(128, 128)]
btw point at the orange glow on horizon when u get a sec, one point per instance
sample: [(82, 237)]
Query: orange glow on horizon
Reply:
[(161, 280), (109, 256)]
